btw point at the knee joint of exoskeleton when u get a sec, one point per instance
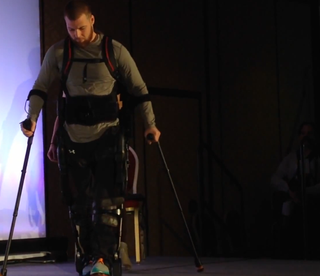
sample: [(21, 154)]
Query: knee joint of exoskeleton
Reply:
[(108, 212)]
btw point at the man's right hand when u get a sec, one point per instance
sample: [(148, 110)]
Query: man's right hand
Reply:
[(28, 132), (294, 196), (52, 153)]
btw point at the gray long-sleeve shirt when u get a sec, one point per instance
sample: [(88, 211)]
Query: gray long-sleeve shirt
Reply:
[(287, 170), (99, 82)]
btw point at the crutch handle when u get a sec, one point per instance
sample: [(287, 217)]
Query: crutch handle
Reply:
[(27, 124), (150, 137)]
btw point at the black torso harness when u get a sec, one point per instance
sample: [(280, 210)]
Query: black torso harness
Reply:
[(88, 110), (91, 110)]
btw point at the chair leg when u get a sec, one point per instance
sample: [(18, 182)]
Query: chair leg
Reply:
[(137, 234)]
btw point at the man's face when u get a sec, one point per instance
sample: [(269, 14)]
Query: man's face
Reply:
[(307, 135), (81, 29), (306, 131)]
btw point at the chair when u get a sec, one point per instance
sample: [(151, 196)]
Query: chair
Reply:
[(133, 200)]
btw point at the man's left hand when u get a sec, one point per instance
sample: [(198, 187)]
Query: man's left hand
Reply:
[(155, 133)]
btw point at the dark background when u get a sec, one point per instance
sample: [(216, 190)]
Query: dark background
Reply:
[(230, 82)]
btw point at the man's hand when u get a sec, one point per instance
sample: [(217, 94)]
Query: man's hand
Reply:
[(155, 132), (52, 153), (28, 132), (294, 196)]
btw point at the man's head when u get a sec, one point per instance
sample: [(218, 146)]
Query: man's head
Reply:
[(307, 133), (306, 129), (79, 22)]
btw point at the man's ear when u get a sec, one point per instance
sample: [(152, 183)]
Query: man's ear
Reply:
[(92, 19)]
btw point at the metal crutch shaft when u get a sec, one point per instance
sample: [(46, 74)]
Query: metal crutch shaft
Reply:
[(198, 264), (27, 125)]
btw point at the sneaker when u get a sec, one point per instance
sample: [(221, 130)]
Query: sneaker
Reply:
[(99, 267), (87, 269), (124, 256)]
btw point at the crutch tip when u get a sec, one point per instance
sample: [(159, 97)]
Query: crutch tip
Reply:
[(200, 268)]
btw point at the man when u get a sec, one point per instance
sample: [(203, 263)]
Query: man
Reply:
[(286, 183), (287, 177), (90, 141)]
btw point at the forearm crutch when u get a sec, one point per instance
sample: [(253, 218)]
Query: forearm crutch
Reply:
[(197, 261), (27, 125)]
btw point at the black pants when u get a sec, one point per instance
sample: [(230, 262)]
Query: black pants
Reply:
[(291, 232), (92, 178)]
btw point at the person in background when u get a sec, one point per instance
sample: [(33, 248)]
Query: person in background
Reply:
[(286, 185)]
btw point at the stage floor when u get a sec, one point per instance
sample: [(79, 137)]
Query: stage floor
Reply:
[(177, 266)]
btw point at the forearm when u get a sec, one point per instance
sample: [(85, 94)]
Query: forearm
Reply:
[(54, 138), (313, 190), (146, 111), (34, 108), (279, 184)]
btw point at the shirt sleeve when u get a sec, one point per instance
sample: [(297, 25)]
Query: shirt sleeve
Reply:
[(48, 72), (285, 172), (135, 85)]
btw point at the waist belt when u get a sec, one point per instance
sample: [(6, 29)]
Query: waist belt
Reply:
[(90, 110)]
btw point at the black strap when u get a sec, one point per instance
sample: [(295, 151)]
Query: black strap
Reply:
[(66, 63), (88, 60), (141, 99), (67, 58), (40, 93), (109, 58)]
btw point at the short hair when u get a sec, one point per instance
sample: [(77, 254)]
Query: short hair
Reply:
[(75, 8), (306, 123)]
